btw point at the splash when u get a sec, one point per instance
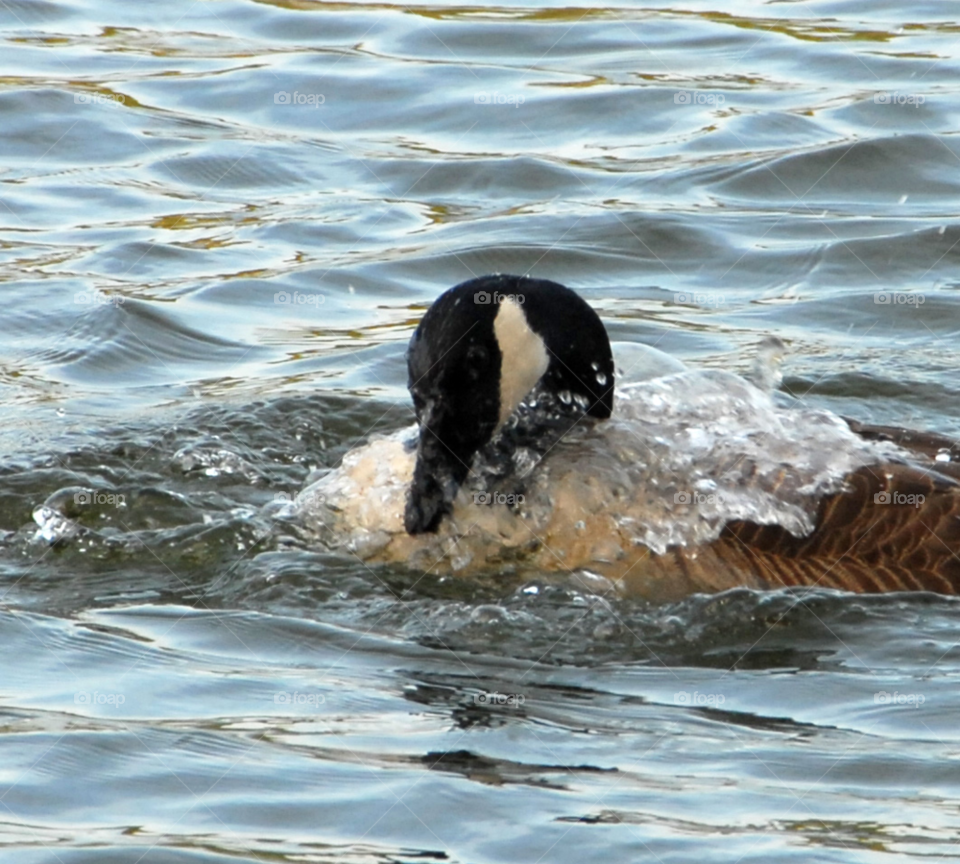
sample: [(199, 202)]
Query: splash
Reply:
[(682, 456)]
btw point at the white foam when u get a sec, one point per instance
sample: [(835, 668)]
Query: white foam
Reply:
[(682, 456)]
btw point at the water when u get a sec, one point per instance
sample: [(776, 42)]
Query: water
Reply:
[(208, 289), (684, 455)]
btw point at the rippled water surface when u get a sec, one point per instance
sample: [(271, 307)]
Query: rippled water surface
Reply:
[(219, 223)]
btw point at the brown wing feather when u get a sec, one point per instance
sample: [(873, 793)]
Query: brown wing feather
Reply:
[(896, 527), (910, 543)]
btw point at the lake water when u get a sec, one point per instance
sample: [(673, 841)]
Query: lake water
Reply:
[(219, 224)]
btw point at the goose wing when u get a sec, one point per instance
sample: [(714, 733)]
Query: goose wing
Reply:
[(895, 527)]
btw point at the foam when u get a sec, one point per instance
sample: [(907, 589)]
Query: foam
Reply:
[(683, 455)]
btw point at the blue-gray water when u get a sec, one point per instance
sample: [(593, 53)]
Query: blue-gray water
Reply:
[(219, 223)]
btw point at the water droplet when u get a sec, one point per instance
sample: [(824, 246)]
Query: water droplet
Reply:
[(601, 379), (595, 366), (565, 397)]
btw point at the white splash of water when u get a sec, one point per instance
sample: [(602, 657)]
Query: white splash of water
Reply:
[(682, 456)]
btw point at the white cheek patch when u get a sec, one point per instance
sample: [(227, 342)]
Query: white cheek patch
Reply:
[(523, 356)]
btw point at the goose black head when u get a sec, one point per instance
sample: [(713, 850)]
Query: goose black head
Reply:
[(480, 349)]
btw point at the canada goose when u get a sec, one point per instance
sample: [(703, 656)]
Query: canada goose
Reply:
[(694, 481)]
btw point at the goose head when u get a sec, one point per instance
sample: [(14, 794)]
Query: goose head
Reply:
[(481, 348)]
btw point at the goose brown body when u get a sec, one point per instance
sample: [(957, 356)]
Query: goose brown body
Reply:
[(859, 544)]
